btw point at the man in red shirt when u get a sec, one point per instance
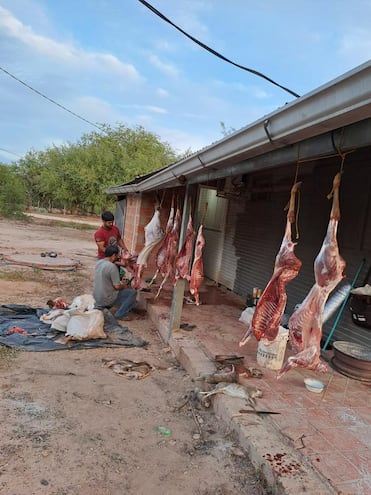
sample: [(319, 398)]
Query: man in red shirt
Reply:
[(108, 235)]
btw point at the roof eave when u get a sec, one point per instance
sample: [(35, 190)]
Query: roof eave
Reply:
[(338, 103)]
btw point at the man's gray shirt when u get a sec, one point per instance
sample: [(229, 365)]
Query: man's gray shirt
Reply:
[(106, 276)]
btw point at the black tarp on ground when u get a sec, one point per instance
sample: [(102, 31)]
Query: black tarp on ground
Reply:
[(46, 339)]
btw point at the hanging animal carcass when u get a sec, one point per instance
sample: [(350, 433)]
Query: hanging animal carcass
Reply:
[(305, 325), (197, 272), (271, 305), (153, 236), (183, 258)]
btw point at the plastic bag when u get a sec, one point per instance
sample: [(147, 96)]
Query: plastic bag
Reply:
[(246, 315), (86, 325)]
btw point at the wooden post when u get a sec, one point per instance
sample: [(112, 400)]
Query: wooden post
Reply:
[(178, 292)]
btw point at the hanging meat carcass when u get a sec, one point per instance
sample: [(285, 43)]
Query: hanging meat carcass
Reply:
[(271, 305), (183, 258), (167, 268), (162, 251), (197, 272), (153, 234), (305, 325)]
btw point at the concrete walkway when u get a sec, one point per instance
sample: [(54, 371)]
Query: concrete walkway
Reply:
[(318, 444)]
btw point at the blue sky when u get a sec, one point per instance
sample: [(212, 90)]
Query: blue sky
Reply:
[(115, 61)]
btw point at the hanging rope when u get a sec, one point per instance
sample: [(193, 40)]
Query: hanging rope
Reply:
[(342, 155), (298, 192), (162, 199)]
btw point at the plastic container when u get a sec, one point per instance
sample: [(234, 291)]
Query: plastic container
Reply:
[(166, 432), (271, 356), (314, 385), (360, 308)]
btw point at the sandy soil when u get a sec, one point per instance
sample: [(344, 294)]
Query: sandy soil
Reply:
[(71, 426)]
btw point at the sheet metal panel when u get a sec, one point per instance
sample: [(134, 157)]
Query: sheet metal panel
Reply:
[(255, 228), (229, 262)]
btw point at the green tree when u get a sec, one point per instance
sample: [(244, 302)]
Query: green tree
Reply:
[(12, 192), (75, 176)]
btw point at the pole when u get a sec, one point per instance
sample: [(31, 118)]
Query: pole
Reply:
[(341, 310)]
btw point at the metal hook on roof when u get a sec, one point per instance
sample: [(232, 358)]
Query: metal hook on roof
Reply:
[(202, 163), (266, 123)]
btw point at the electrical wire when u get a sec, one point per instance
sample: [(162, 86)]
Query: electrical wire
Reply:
[(10, 152), (51, 100), (214, 52)]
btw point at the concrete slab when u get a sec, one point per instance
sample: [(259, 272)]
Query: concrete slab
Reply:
[(318, 444)]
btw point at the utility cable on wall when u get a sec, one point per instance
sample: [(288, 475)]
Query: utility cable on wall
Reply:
[(51, 100), (214, 52)]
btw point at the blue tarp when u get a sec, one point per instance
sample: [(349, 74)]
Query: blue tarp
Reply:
[(44, 338)]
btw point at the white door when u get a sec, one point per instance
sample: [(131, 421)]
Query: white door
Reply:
[(213, 230)]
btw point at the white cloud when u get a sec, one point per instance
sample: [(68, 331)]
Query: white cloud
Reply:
[(148, 108), (243, 88), (182, 140), (190, 115), (162, 92), (164, 46), (65, 52), (154, 109), (95, 109), (168, 69), (356, 45), (186, 16)]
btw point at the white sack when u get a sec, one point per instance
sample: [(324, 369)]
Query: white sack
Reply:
[(49, 317), (60, 323), (87, 325), (85, 302)]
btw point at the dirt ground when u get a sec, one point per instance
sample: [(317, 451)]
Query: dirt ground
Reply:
[(71, 426)]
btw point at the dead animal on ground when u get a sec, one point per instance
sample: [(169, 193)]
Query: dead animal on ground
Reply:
[(129, 369), (234, 390), (249, 372), (223, 374), (229, 359)]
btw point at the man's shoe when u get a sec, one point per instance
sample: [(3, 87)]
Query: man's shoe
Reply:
[(124, 318)]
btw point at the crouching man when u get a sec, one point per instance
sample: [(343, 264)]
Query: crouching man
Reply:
[(109, 291)]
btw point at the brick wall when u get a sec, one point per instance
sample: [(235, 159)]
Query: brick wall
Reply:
[(139, 211)]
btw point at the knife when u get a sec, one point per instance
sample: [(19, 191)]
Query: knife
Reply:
[(253, 411)]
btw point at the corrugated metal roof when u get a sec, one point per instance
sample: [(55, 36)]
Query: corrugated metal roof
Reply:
[(339, 103)]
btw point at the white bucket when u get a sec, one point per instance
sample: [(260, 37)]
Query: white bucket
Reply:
[(272, 356)]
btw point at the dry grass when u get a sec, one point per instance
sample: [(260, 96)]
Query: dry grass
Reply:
[(29, 274), (60, 223), (6, 355)]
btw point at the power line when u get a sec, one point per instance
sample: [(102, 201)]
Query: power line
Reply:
[(214, 52), (10, 152), (51, 100)]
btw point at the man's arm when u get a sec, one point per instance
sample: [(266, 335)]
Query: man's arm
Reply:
[(100, 245), (122, 285), (122, 245)]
